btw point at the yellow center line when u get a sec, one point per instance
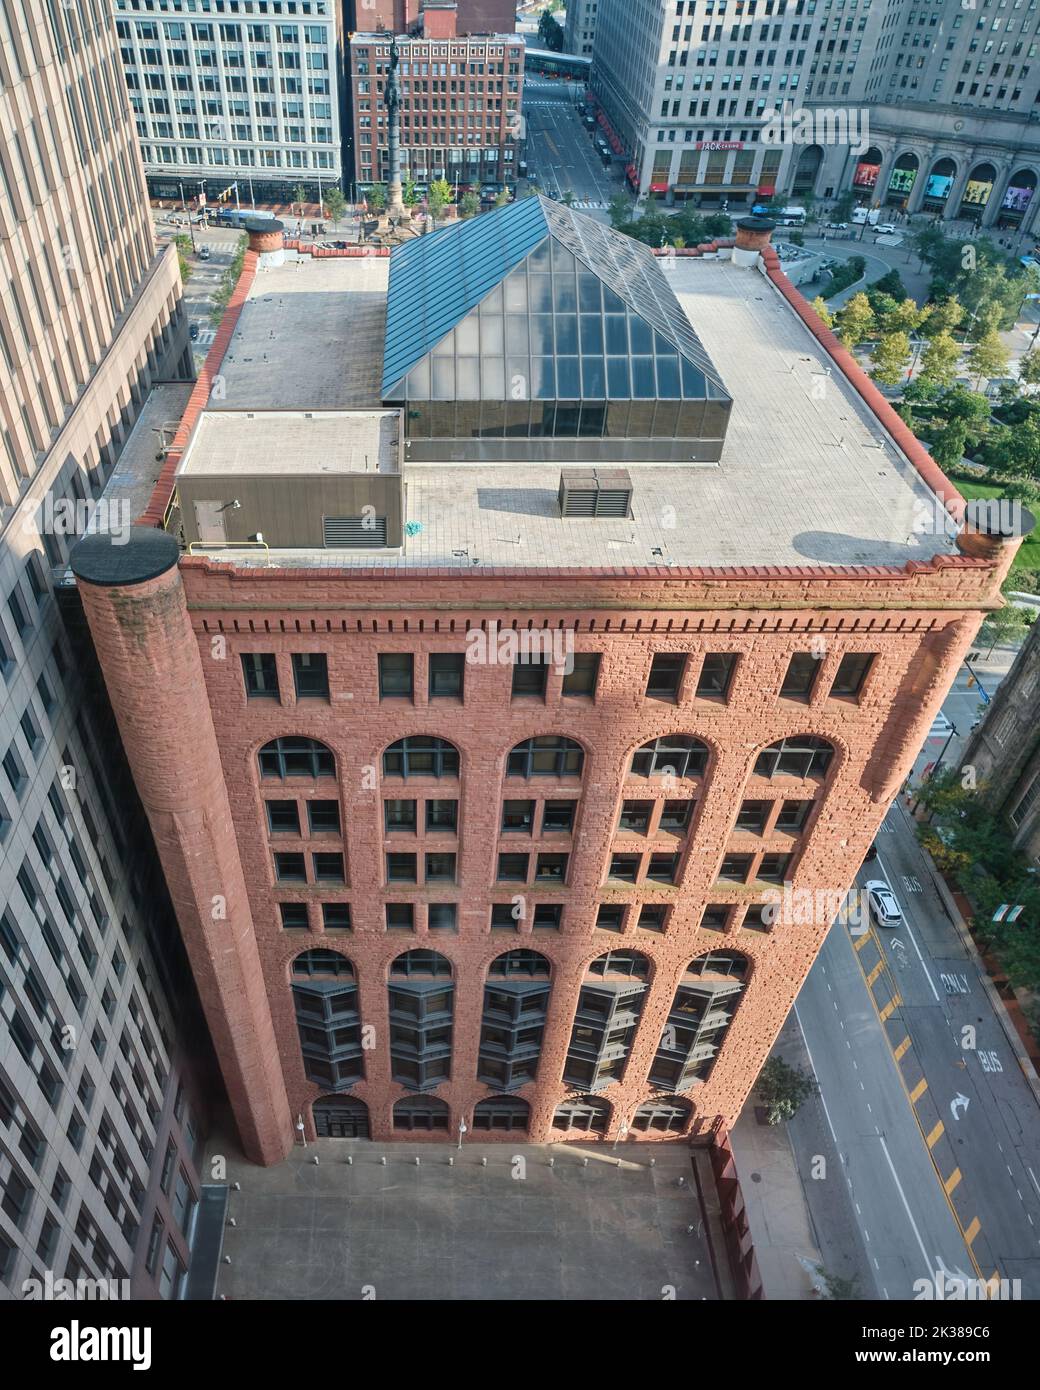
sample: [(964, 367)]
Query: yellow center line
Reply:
[(918, 1091), (936, 1134), (951, 1182), (973, 1230), (901, 1049)]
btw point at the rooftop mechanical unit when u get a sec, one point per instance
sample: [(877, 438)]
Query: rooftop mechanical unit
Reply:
[(596, 492)]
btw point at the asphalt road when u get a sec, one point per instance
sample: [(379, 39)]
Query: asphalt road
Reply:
[(561, 151), (939, 1141)]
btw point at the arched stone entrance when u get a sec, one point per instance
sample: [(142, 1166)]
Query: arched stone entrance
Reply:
[(866, 174), (340, 1117), (902, 179), (1019, 199), (977, 191), (939, 184), (807, 171)]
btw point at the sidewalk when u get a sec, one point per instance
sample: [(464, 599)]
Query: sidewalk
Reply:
[(778, 1216)]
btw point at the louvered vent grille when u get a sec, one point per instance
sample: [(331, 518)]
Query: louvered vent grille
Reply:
[(354, 532), (596, 492)]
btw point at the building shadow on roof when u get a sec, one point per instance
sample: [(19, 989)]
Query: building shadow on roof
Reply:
[(523, 501), (833, 548)]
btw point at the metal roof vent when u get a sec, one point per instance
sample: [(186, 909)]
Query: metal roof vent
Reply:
[(596, 492)]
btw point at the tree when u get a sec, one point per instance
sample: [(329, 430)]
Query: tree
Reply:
[(228, 281), (939, 360), (942, 318), (1029, 368), (440, 197), (377, 197), (502, 198), (567, 196), (184, 248), (855, 322), (782, 1089), (409, 193), (904, 318), (948, 443), (1004, 626), (550, 31), (842, 210), (838, 1288), (299, 194), (335, 204), (1015, 449), (989, 356), (469, 203), (891, 354), (620, 209), (823, 312)]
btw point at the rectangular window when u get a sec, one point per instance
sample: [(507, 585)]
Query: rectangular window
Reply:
[(793, 815), (518, 817), (18, 616), (752, 816), (547, 917), (441, 916), (395, 676), (716, 674), (675, 817), (502, 918), (401, 868), (663, 868), (323, 817), (294, 916), (610, 916), (715, 917), (335, 916), (735, 868), (635, 816), (283, 818), (14, 771), (442, 816), (624, 867), (551, 868), (773, 868), (328, 868), (399, 817), (653, 917), (530, 679), (290, 868), (400, 917), (666, 672), (852, 672), (513, 868), (802, 671), (581, 682), (446, 675), (558, 817), (311, 675), (440, 868), (261, 675)]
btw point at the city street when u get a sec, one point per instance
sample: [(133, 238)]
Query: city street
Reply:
[(562, 152), (924, 1097)]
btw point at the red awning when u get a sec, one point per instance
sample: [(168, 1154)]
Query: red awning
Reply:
[(766, 189), (658, 188)]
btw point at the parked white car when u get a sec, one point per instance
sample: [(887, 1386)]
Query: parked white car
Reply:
[(884, 908)]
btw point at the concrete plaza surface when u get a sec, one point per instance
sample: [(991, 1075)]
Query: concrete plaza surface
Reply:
[(515, 1229)]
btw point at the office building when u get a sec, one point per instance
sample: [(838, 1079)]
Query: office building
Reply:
[(580, 27), (559, 638), (227, 92), (101, 1114)]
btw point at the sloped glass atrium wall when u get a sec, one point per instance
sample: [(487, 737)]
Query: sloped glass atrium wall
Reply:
[(553, 339)]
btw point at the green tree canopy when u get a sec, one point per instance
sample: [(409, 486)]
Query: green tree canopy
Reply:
[(989, 357), (855, 322), (891, 354)]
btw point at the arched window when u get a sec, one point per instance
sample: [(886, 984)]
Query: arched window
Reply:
[(422, 1007), (804, 755), (661, 1117), (678, 755), (421, 755), (516, 1002), (610, 1003), (500, 1112), (325, 998), (340, 1117), (421, 1113), (548, 755), (698, 1020), (296, 757), (586, 1114)]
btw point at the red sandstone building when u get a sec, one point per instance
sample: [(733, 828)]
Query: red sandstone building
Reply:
[(510, 620)]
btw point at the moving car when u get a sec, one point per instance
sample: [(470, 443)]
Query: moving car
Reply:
[(837, 226), (204, 253), (884, 908), (887, 229), (193, 331)]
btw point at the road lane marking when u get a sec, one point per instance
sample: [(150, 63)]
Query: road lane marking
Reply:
[(973, 1229), (890, 1007), (918, 1091), (909, 932), (901, 1050), (952, 1182), (906, 1205), (936, 1134)]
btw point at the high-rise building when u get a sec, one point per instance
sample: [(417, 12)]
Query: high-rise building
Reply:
[(941, 93), (1004, 751), (552, 645), (101, 1120), (461, 101), (580, 27), (222, 95)]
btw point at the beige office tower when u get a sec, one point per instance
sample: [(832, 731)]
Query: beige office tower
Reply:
[(100, 1120)]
